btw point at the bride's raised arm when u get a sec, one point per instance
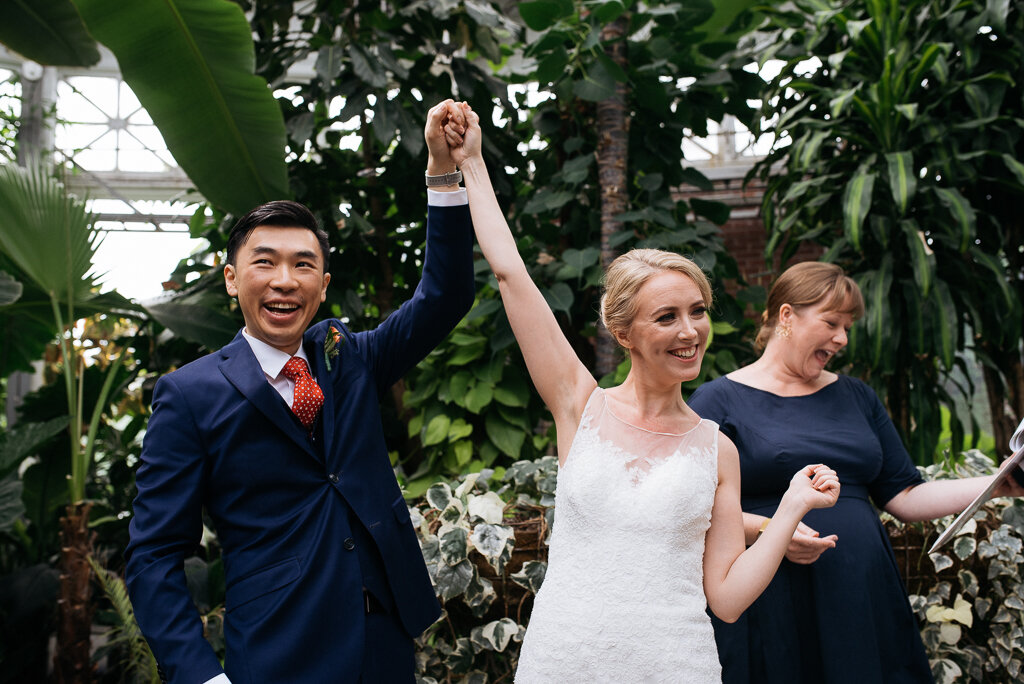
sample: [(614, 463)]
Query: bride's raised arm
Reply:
[(562, 380)]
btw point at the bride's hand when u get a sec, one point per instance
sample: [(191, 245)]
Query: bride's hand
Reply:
[(463, 133), (816, 486)]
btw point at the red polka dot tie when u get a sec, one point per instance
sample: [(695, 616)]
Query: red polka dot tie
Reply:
[(308, 397)]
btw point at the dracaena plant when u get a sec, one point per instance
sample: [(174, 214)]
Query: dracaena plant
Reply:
[(899, 131)]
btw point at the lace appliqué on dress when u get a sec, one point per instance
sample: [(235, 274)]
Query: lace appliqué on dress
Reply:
[(623, 598)]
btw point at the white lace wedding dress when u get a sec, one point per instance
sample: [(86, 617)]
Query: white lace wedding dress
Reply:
[(623, 599)]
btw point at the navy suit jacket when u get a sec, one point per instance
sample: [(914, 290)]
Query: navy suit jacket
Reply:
[(283, 503)]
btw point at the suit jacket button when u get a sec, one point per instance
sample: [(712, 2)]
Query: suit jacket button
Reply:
[(349, 544), (333, 478)]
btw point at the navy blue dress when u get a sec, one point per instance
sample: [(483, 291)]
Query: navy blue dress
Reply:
[(844, 618)]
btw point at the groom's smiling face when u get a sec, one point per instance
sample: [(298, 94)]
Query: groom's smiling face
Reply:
[(279, 280)]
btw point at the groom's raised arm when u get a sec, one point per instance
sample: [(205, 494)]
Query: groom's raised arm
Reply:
[(443, 296)]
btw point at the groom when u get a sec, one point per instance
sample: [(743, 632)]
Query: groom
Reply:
[(278, 437)]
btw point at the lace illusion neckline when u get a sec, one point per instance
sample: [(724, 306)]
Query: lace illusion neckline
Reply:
[(608, 409)]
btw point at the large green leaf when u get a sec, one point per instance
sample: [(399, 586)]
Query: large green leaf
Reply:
[(724, 14), (962, 212), (876, 297), (508, 438), (559, 296), (21, 440), (856, 204), (195, 321), (596, 83), (922, 259), (11, 506), (437, 430), (542, 14), (1000, 276), (902, 180), (26, 325), (190, 62), (49, 32), (48, 235), (948, 326), (1015, 167)]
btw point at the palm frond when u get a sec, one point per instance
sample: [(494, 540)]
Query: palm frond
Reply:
[(139, 664), (47, 233)]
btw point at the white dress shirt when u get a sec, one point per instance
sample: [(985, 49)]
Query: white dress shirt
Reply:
[(272, 362)]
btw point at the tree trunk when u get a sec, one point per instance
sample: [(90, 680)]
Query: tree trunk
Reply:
[(71, 663), (612, 157)]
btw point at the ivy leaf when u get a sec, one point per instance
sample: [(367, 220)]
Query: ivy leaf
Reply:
[(487, 507), (495, 636), (941, 561), (969, 582), (495, 543), (467, 485), (453, 512), (479, 595), (439, 496), (964, 547), (452, 580), (531, 575), (454, 546)]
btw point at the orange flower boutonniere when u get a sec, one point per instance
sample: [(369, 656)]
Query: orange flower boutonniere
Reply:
[(332, 342)]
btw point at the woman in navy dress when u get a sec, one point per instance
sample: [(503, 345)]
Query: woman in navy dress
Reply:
[(838, 598)]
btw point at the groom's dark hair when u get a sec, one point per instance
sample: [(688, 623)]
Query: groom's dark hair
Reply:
[(281, 213)]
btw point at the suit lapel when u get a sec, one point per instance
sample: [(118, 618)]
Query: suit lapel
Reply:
[(240, 367), (313, 344)]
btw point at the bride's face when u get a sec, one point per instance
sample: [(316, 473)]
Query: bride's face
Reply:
[(669, 334)]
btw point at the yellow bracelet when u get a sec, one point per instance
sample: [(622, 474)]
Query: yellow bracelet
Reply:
[(761, 529)]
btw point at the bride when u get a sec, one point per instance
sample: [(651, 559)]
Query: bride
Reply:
[(648, 529)]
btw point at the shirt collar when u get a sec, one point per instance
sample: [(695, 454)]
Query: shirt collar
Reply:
[(271, 360)]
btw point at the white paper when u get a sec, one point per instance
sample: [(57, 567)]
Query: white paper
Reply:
[(1017, 441), (1004, 471)]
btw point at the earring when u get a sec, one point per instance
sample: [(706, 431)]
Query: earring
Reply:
[(783, 330)]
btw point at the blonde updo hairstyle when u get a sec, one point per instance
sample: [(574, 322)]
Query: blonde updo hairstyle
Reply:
[(808, 284), (629, 272)]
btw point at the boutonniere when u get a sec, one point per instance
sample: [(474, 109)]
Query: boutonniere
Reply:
[(332, 342)]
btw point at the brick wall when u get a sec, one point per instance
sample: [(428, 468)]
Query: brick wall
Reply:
[(744, 232)]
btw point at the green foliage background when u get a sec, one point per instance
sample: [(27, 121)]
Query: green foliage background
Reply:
[(903, 164)]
